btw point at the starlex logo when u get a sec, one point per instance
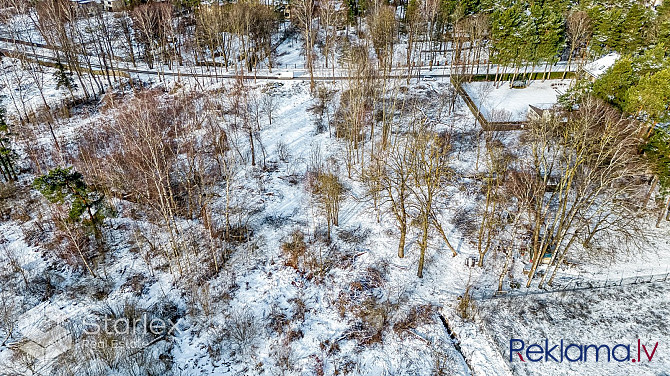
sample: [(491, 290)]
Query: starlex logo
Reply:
[(123, 326), (572, 352)]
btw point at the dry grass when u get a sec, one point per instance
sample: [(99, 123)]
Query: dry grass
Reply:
[(417, 316)]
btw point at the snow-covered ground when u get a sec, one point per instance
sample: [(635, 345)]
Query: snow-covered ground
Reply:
[(609, 317), (315, 321)]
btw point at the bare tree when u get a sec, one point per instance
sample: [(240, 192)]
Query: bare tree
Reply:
[(578, 28), (268, 104), (497, 161), (305, 13), (395, 180), (329, 192), (429, 157), (588, 167), (414, 23), (137, 161), (330, 17), (354, 116), (383, 32)]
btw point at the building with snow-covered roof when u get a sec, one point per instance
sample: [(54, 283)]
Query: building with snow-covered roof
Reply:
[(505, 107)]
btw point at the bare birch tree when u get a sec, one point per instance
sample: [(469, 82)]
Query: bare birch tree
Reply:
[(588, 166)]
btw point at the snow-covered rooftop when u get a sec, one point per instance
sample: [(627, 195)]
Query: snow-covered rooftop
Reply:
[(599, 66), (505, 104)]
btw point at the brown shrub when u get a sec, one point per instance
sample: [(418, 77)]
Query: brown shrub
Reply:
[(294, 249), (417, 316)]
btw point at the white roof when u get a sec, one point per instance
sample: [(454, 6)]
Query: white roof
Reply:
[(598, 67), (511, 104)]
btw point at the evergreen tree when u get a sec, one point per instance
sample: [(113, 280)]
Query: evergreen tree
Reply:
[(551, 35), (444, 15), (531, 36), (470, 6), (635, 28), (7, 155), (662, 23), (608, 26), (619, 84), (657, 151), (65, 186), (620, 27), (651, 96), (612, 85), (575, 94), (506, 35), (63, 78)]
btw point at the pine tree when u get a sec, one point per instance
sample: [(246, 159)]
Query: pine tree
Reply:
[(531, 38), (657, 152), (7, 155), (619, 84), (612, 85), (506, 36), (636, 28), (551, 36), (608, 26), (651, 96), (620, 28), (63, 78), (662, 23), (470, 6), (65, 186)]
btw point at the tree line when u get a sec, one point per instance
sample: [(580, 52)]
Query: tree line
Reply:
[(244, 35)]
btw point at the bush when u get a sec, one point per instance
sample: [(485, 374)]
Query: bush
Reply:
[(283, 357), (354, 236), (279, 322), (8, 191), (282, 151), (238, 233), (417, 316), (371, 313), (120, 344), (294, 249), (242, 329)]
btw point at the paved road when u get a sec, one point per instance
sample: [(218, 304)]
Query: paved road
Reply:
[(297, 74)]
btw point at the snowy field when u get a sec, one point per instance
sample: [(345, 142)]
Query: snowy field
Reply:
[(321, 321), (601, 316), (229, 244)]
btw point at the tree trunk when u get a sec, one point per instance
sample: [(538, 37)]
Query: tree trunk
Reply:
[(401, 243), (663, 213), (501, 278), (251, 143), (654, 182), (423, 245)]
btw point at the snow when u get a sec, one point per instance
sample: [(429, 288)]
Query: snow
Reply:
[(600, 66), (503, 103), (258, 280), (601, 316), (255, 279)]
